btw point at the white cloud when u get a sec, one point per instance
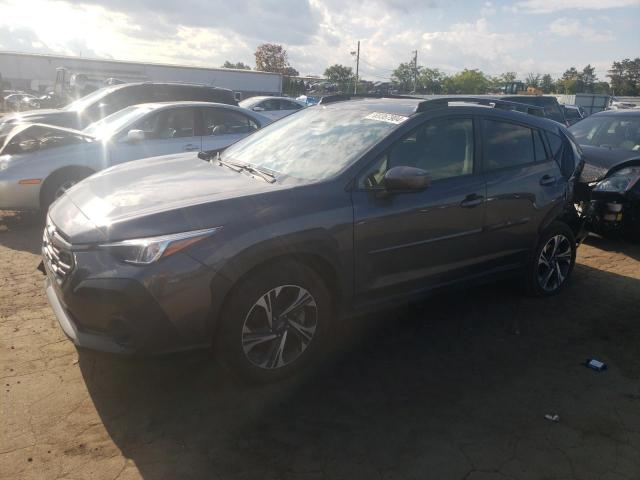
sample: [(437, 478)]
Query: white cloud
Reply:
[(549, 6), (572, 28)]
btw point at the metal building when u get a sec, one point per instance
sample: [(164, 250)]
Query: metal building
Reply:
[(37, 72)]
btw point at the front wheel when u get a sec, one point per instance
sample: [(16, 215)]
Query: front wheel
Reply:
[(552, 261), (276, 322)]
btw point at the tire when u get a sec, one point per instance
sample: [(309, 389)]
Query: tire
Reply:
[(295, 339), (58, 183), (552, 261)]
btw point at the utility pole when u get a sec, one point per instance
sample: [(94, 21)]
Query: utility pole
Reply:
[(355, 87), (415, 71)]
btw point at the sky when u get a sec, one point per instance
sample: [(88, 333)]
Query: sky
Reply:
[(542, 36)]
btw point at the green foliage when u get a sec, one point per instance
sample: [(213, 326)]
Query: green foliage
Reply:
[(271, 57), (625, 77), (403, 76), (339, 74), (533, 80), (547, 85), (430, 80), (238, 66), (470, 82)]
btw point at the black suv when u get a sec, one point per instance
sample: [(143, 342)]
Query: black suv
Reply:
[(108, 100), (259, 250)]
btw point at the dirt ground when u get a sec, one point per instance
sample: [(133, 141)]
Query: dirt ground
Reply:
[(455, 388)]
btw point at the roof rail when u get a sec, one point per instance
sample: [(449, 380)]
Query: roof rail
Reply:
[(343, 97), (487, 101)]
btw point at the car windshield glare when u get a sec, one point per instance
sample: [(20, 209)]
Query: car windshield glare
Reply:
[(314, 144), (115, 122), (609, 131)]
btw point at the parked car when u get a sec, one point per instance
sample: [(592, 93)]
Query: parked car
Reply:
[(107, 100), (573, 113), (39, 162), (261, 249), (550, 104), (21, 101), (609, 188), (273, 107)]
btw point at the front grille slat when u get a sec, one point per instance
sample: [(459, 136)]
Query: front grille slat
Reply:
[(56, 253)]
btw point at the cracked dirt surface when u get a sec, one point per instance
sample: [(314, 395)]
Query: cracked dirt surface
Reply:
[(443, 390)]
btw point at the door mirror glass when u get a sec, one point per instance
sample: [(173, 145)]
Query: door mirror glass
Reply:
[(406, 179), (135, 136), (258, 109)]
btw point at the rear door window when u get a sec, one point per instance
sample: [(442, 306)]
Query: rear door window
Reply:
[(538, 145), (507, 145), (168, 123), (220, 121)]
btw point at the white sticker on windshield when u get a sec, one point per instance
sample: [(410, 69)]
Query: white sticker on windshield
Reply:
[(386, 117)]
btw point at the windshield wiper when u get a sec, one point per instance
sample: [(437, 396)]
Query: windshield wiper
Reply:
[(237, 167)]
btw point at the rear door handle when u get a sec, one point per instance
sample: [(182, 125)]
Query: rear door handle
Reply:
[(547, 180), (472, 200), (190, 147)]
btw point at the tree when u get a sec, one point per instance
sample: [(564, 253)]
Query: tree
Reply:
[(588, 78), (571, 81), (339, 74), (271, 57), (238, 66), (430, 80), (467, 82), (533, 80), (625, 77), (404, 76), (547, 85)]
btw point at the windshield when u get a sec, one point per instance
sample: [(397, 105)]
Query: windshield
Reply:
[(313, 144), (609, 131), (88, 100), (116, 121)]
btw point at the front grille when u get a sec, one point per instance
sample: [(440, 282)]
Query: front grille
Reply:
[(56, 252)]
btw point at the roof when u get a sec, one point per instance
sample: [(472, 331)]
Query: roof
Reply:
[(627, 112), (408, 106)]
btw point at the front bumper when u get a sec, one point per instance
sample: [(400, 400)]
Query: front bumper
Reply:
[(80, 339), (107, 306)]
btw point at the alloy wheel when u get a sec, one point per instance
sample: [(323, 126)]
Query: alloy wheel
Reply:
[(279, 326), (554, 262)]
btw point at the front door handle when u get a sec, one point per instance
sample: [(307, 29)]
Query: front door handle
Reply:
[(190, 147), (547, 180), (472, 200)]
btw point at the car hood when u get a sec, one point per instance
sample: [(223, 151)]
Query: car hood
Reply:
[(600, 160), (146, 197), (52, 116), (49, 135)]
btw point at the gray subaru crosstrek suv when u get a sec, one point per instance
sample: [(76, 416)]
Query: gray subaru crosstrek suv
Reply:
[(261, 249)]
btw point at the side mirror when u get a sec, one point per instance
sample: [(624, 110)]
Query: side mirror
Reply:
[(258, 109), (406, 179), (135, 136)]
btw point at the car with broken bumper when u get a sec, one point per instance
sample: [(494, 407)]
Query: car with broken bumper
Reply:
[(609, 186), (260, 250)]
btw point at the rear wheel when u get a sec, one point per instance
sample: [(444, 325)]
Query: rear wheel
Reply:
[(275, 323), (552, 261)]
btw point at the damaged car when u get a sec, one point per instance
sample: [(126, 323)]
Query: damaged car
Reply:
[(609, 187)]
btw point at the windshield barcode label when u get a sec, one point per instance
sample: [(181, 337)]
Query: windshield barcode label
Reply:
[(386, 117)]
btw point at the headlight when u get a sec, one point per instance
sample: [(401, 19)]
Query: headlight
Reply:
[(143, 251), (620, 181)]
